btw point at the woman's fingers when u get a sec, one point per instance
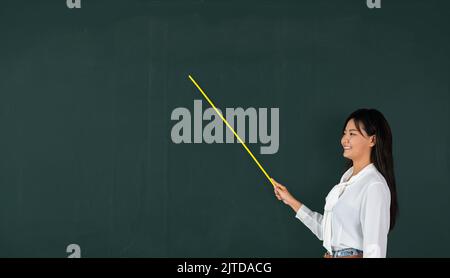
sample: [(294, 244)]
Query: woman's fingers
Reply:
[(279, 190), (276, 191), (278, 185), (277, 194)]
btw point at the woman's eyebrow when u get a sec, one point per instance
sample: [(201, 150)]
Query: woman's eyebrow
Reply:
[(352, 129)]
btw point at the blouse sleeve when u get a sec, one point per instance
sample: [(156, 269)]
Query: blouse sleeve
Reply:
[(375, 220), (311, 219)]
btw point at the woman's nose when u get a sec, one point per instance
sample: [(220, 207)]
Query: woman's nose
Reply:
[(345, 139)]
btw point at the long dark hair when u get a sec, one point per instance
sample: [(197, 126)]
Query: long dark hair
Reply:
[(374, 123)]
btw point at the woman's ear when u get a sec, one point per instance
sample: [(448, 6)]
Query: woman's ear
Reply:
[(373, 140)]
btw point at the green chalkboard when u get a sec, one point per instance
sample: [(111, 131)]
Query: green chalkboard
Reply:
[(87, 95)]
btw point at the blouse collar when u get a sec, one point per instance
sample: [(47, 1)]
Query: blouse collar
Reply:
[(361, 173)]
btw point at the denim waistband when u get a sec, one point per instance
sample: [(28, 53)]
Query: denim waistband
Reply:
[(347, 252)]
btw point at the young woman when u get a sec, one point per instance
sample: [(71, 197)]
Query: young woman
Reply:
[(360, 210)]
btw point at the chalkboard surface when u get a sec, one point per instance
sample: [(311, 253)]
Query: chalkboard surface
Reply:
[(86, 102)]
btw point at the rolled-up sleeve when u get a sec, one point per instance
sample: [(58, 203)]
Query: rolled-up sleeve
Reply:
[(375, 220), (311, 219)]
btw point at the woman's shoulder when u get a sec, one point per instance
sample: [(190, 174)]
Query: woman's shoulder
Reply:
[(375, 176), (374, 181)]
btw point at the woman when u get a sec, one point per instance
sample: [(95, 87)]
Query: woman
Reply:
[(360, 210)]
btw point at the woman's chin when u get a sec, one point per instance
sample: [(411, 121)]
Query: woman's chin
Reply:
[(346, 155)]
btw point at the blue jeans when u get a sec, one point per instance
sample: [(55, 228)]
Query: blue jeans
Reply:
[(347, 252)]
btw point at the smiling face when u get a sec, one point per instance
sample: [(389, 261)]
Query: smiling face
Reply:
[(357, 144)]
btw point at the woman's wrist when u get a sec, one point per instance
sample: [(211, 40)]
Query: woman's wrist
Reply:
[(295, 205)]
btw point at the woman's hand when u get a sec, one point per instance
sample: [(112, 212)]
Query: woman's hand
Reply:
[(283, 194)]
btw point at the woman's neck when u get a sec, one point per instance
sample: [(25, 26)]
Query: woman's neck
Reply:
[(359, 165)]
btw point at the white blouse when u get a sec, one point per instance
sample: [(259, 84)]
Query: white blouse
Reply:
[(356, 214)]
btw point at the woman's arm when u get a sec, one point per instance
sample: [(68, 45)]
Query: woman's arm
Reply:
[(375, 220), (311, 219), (283, 194)]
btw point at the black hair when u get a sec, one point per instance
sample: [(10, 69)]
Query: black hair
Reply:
[(374, 123)]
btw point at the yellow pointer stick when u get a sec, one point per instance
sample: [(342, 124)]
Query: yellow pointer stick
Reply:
[(235, 134)]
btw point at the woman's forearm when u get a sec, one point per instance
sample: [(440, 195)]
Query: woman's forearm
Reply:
[(295, 205)]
